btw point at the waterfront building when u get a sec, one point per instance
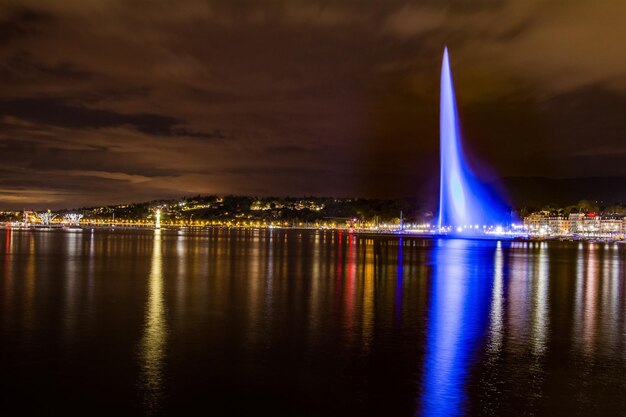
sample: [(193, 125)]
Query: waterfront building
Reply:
[(545, 223), (612, 225)]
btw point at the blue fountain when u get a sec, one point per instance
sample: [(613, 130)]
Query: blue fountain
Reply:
[(467, 205)]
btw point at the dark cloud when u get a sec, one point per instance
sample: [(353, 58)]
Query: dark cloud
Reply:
[(19, 22), (57, 112), (115, 100)]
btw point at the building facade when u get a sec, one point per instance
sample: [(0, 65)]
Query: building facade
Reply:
[(575, 224)]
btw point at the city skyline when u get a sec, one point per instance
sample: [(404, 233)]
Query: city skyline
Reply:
[(221, 98)]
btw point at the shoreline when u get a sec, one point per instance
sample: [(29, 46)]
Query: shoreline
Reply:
[(356, 232)]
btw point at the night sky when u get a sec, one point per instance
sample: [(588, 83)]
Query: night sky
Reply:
[(120, 101)]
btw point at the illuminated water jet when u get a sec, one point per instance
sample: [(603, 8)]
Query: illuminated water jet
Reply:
[(467, 205)]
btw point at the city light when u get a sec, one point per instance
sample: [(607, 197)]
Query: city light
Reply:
[(157, 223)]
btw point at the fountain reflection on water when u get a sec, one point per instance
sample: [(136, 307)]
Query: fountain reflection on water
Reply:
[(459, 316)]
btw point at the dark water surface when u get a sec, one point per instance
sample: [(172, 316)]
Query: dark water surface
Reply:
[(308, 323)]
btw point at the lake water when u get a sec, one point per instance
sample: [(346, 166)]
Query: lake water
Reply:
[(308, 323)]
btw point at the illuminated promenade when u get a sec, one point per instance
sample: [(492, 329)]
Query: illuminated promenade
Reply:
[(610, 229)]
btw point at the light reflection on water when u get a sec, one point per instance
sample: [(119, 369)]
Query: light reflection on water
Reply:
[(540, 317), (458, 316), (311, 322), (154, 340), (496, 326)]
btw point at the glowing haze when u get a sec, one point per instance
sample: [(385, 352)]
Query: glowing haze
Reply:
[(465, 202), (116, 101)]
